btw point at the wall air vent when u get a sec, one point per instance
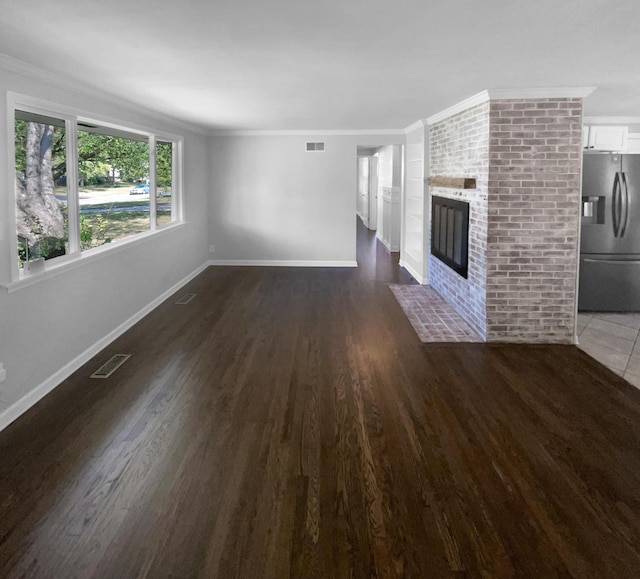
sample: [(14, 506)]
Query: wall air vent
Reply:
[(110, 366), (185, 299), (315, 147)]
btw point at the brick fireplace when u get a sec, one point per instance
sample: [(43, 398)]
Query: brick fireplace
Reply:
[(525, 155), (459, 147)]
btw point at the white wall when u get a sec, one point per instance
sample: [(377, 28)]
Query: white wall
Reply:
[(46, 326), (273, 201)]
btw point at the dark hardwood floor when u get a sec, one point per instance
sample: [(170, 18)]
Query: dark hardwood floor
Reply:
[(288, 423)]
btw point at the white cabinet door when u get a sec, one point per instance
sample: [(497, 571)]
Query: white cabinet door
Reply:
[(633, 143), (607, 138), (390, 235)]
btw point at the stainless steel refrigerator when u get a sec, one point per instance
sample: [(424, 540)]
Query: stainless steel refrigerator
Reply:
[(610, 238)]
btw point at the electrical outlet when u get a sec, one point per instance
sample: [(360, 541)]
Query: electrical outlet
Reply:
[(212, 249)]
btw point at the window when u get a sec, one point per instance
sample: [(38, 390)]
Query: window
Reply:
[(164, 182), (41, 187), (81, 185), (113, 170)]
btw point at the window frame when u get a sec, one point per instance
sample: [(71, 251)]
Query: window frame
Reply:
[(176, 178), (72, 117)]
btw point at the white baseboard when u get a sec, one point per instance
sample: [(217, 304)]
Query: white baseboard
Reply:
[(413, 272), (391, 248), (28, 400), (283, 263)]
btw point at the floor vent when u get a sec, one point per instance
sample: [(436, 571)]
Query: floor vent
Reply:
[(110, 366), (185, 299)]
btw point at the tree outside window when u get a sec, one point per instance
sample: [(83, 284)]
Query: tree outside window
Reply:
[(41, 192), (113, 187)]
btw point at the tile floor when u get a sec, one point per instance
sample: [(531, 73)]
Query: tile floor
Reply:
[(612, 339), (433, 319)]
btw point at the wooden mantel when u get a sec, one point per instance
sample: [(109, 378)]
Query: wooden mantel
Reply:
[(452, 182)]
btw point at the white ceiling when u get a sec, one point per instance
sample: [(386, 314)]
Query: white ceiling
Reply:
[(330, 64)]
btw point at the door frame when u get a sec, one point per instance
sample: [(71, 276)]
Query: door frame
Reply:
[(373, 193)]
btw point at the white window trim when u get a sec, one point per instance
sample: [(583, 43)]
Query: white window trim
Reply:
[(72, 117), (176, 176)]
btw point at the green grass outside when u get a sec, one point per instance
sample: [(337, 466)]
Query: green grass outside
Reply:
[(119, 224), (108, 221)]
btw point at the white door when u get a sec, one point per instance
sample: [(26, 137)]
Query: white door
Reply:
[(373, 193), (363, 189)]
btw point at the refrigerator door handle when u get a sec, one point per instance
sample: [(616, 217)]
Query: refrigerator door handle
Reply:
[(614, 261), (615, 205), (625, 203)]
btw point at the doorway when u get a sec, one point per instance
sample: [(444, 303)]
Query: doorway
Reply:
[(379, 192), (362, 201), (367, 193)]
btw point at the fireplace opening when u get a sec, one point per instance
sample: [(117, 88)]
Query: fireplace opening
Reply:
[(450, 232)]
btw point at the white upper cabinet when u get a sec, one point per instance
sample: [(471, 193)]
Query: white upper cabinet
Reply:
[(605, 138), (633, 143)]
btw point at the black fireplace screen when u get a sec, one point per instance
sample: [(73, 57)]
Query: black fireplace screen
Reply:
[(450, 232)]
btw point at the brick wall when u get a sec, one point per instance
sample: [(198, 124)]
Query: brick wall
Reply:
[(459, 147), (534, 205)]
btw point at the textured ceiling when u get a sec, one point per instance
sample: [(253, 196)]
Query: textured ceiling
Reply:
[(334, 64)]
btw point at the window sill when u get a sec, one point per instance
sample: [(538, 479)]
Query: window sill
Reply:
[(69, 263)]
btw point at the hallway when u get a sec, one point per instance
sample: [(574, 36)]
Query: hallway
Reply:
[(376, 261), (287, 422)]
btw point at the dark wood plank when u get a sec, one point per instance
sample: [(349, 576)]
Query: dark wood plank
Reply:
[(452, 182), (288, 423)]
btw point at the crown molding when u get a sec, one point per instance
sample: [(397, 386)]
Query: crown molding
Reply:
[(556, 92), (475, 100), (415, 126), (611, 120), (512, 94), (35, 72), (304, 133)]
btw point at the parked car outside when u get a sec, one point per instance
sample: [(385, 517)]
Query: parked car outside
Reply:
[(142, 189)]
